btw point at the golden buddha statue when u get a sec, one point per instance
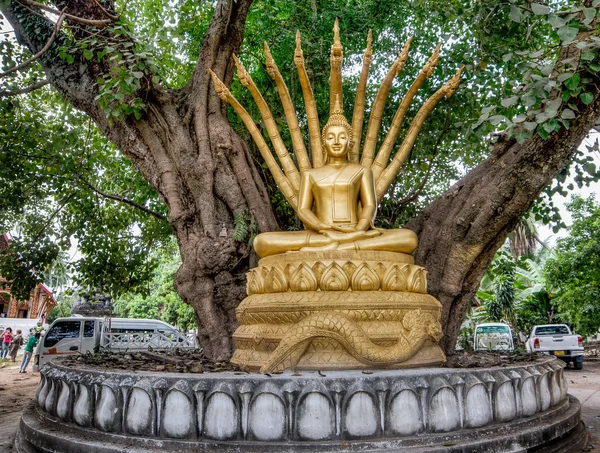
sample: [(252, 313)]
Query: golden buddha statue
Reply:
[(341, 293), (336, 190)]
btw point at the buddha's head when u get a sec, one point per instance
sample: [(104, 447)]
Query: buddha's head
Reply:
[(337, 140), (337, 133)]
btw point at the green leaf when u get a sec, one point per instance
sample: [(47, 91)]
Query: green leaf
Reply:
[(590, 168), (567, 114), (507, 102), (516, 14), (573, 82), (138, 74), (552, 107), (88, 54), (588, 56), (241, 226), (567, 34), (521, 136), (484, 116), (547, 70), (595, 67), (589, 15), (564, 76), (551, 126), (530, 125), (496, 119), (586, 98), (543, 133), (539, 9), (556, 21)]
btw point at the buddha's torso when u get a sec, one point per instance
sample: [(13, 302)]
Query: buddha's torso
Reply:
[(336, 191)]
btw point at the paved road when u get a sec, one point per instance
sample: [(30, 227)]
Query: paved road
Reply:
[(17, 390), (585, 386)]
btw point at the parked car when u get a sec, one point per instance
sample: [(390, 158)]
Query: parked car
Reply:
[(493, 337), (557, 340)]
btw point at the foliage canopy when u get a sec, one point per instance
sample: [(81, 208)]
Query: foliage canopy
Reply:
[(575, 270)]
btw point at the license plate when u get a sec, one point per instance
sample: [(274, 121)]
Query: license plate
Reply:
[(559, 352)]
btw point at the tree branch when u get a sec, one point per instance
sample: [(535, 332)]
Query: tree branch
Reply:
[(25, 90), (41, 52), (105, 12), (99, 23), (56, 211), (122, 199), (415, 193)]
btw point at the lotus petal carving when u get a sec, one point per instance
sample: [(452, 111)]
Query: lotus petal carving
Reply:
[(365, 279), (304, 279), (255, 283), (396, 278), (275, 282), (349, 269), (418, 280), (334, 279)]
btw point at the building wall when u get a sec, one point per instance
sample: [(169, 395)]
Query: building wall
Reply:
[(41, 302)]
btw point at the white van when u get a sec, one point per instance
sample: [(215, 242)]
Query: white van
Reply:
[(493, 337), (81, 335)]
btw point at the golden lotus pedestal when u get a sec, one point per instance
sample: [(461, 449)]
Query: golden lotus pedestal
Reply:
[(335, 310)]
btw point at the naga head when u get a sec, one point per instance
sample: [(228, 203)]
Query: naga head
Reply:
[(423, 323)]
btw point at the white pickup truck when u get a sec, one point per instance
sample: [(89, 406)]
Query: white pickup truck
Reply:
[(557, 340)]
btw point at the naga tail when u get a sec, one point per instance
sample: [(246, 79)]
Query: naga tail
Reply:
[(337, 326)]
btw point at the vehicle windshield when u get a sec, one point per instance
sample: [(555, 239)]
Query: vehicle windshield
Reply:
[(552, 330), (63, 329)]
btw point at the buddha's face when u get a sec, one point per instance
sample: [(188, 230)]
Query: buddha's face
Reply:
[(337, 141)]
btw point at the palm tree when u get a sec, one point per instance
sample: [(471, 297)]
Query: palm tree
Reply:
[(523, 239), (533, 293), (57, 275)]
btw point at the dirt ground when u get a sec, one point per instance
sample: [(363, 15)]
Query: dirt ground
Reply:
[(17, 390)]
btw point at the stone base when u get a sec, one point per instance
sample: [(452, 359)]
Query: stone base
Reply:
[(559, 431), (516, 408)]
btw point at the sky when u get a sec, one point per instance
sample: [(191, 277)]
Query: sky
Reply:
[(545, 231)]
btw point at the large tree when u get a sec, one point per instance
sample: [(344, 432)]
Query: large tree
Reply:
[(174, 129)]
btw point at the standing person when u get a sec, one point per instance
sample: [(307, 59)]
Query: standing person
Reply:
[(15, 344), (31, 343), (7, 338)]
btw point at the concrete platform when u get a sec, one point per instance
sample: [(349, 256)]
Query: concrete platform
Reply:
[(517, 408)]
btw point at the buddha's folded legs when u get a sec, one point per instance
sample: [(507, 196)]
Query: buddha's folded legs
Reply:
[(398, 240), (273, 243)]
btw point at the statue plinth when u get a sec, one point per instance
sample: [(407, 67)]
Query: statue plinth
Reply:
[(332, 310)]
